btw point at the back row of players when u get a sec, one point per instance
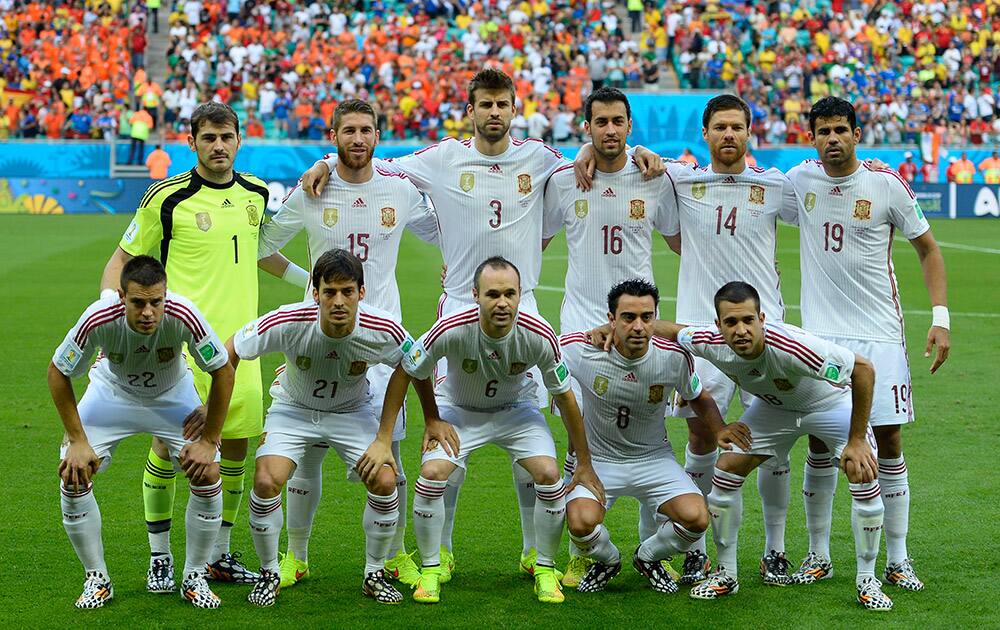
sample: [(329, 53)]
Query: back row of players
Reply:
[(491, 195)]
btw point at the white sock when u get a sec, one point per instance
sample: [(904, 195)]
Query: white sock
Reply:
[(397, 544), (82, 521), (597, 546), (670, 539), (550, 515), (700, 468), (305, 489), (428, 519), (866, 520), (525, 487), (725, 506), (647, 522), (380, 516), (895, 486), (774, 485), (569, 467), (202, 522), (222, 541), (159, 543), (818, 487), (265, 526), (450, 504)]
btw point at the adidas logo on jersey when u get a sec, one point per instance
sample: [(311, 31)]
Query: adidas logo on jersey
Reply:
[(835, 191), (494, 356), (755, 372), (729, 180), (359, 203), (141, 348), (227, 204), (332, 355), (630, 378), (495, 169), (608, 193)]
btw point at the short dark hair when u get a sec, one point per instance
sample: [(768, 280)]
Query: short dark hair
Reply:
[(832, 107), (353, 106), (491, 79), (737, 292), (495, 262), (145, 271), (338, 264), (636, 287), (213, 112), (605, 95), (725, 102)]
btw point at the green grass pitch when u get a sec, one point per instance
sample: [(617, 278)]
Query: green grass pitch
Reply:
[(51, 272)]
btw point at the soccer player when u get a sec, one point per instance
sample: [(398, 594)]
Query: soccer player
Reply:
[(140, 384), (488, 399), (625, 396), (488, 196), (803, 385), (363, 209), (322, 396), (852, 211), (203, 225)]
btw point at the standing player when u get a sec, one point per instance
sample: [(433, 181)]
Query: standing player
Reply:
[(362, 209), (625, 396), (322, 395), (852, 211), (140, 384), (203, 226), (803, 385), (490, 400)]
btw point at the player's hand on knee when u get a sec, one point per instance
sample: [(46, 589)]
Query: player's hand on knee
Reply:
[(194, 423), (197, 457), (80, 464), (585, 475), (438, 432), (314, 180), (583, 167), (859, 462), (734, 434), (940, 338), (377, 455), (600, 337), (650, 164)]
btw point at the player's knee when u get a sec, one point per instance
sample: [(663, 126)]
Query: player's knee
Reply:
[(266, 484), (695, 520), (581, 519), (546, 474), (436, 470), (384, 483), (207, 478)]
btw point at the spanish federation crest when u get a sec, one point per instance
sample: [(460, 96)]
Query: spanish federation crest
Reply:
[(388, 217), (517, 368), (252, 215), (698, 190), (470, 365), (330, 217), (203, 221), (357, 368), (164, 354), (582, 207), (863, 210), (757, 194), (810, 201), (783, 384), (303, 362), (524, 183), (655, 393), (467, 181), (600, 385), (637, 209)]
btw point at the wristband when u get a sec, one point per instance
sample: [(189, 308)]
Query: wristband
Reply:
[(107, 293), (940, 317), (296, 275)]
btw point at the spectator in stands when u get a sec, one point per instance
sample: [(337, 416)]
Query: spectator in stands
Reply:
[(990, 168), (951, 173), (687, 157), (140, 123), (253, 127), (908, 169), (158, 163), (635, 8), (137, 45), (154, 14), (929, 171), (965, 170)]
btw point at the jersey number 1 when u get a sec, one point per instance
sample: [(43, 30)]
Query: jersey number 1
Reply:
[(236, 251)]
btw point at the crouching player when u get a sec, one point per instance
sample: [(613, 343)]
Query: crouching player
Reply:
[(322, 395), (140, 384)]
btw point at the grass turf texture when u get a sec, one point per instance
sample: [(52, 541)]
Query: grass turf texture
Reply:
[(51, 272)]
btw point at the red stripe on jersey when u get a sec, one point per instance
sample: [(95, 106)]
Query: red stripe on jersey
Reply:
[(381, 320), (385, 173), (707, 337), (469, 317), (562, 168), (568, 338), (460, 315), (183, 318), (795, 353), (311, 310), (177, 306), (892, 281), (425, 149), (394, 331), (277, 322), (892, 172), (467, 142), (541, 329), (99, 318), (289, 193), (673, 346), (756, 169), (809, 352)]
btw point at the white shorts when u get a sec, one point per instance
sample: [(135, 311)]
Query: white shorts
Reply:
[(652, 482), (892, 400), (775, 431), (109, 416), (290, 430), (449, 304), (520, 430), (719, 386), (378, 379)]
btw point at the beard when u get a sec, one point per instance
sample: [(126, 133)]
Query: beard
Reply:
[(492, 134), (352, 161)]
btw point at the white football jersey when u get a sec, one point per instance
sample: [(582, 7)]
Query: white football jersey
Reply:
[(846, 231), (797, 371), (624, 400), (366, 219), (728, 227), (485, 205), (320, 372), (609, 233), (486, 373), (140, 365)]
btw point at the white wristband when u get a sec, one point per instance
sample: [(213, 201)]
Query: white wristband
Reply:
[(940, 317), (107, 293), (296, 275)]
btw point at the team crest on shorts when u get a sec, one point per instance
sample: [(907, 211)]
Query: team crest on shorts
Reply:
[(757, 194), (810, 201), (203, 220), (467, 181), (303, 362), (637, 209), (600, 385), (655, 393), (783, 384), (517, 368), (330, 217), (698, 190), (862, 210), (524, 183), (582, 207), (357, 368), (116, 357), (253, 216), (388, 217), (470, 365), (164, 354)]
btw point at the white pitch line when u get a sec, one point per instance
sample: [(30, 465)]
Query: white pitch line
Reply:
[(670, 298), (969, 248)]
